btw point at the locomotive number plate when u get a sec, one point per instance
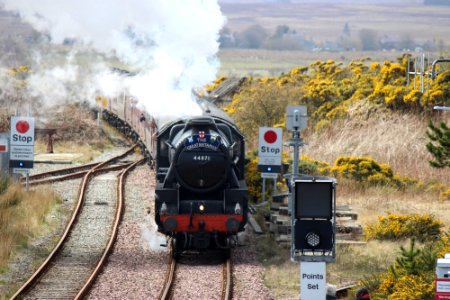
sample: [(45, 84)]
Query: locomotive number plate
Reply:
[(202, 157)]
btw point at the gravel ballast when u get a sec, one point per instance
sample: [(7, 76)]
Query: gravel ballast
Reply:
[(138, 264)]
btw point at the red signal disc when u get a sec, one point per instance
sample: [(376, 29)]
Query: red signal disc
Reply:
[(22, 126), (270, 136)]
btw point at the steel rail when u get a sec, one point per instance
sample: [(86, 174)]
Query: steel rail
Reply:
[(60, 172), (83, 187), (170, 276), (227, 287), (115, 229), (73, 175)]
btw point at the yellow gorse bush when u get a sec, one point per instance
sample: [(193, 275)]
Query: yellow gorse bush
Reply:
[(328, 88), (395, 226), (364, 169), (215, 83)]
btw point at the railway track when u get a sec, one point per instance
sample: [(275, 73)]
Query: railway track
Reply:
[(78, 171), (72, 266), (170, 284)]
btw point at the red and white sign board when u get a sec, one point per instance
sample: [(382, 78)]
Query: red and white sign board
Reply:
[(3, 145), (270, 148), (442, 289), (21, 154), (22, 131)]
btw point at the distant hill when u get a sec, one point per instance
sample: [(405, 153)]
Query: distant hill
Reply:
[(330, 1), (437, 2)]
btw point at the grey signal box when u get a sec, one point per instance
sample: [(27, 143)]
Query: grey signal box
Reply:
[(296, 117), (314, 219), (443, 267)]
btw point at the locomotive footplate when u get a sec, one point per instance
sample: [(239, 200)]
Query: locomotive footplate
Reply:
[(208, 223)]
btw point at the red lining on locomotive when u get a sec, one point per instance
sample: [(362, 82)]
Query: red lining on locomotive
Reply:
[(212, 222)]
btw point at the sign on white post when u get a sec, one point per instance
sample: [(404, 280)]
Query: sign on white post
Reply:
[(270, 149), (269, 175), (313, 280), (21, 171), (22, 143), (3, 145)]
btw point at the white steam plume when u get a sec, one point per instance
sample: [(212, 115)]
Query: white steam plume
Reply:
[(171, 43)]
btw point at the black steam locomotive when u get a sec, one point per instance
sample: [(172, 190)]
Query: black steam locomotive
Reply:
[(201, 195)]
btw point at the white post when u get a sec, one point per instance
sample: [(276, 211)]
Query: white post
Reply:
[(263, 190)]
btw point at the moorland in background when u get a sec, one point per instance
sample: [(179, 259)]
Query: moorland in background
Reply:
[(346, 62)]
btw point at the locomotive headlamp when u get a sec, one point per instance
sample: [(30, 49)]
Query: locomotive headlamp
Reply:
[(312, 239), (237, 209), (201, 208), (163, 210)]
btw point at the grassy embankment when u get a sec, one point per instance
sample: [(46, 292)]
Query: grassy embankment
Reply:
[(398, 140), (395, 138), (23, 215)]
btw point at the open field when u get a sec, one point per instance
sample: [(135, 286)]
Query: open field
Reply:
[(256, 62), (325, 21)]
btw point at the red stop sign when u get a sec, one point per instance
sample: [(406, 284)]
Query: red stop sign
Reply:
[(22, 126), (270, 136)]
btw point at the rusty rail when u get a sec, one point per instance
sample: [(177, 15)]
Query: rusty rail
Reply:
[(115, 229), (227, 287), (83, 187), (170, 276)]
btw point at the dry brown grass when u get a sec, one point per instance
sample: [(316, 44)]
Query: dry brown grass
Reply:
[(86, 151), (394, 138), (22, 215), (353, 262)]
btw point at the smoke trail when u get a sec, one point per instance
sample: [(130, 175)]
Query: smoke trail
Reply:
[(170, 44)]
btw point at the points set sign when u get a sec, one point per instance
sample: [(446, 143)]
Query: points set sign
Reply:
[(270, 148), (22, 143), (313, 280)]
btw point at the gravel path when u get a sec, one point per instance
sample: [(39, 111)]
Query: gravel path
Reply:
[(199, 277), (137, 266), (248, 273)]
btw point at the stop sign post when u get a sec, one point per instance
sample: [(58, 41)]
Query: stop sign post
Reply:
[(21, 144), (270, 148)]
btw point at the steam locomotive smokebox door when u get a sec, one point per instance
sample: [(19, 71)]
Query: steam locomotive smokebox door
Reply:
[(314, 219)]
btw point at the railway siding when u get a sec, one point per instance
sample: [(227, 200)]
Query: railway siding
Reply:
[(85, 244)]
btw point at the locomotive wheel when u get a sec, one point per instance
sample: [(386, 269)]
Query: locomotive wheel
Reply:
[(227, 253), (175, 251)]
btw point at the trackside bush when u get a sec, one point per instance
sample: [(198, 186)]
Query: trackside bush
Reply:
[(395, 226), (413, 273), (310, 166), (363, 169)]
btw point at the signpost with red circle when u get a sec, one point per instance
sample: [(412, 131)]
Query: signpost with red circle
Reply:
[(21, 144), (270, 148)]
